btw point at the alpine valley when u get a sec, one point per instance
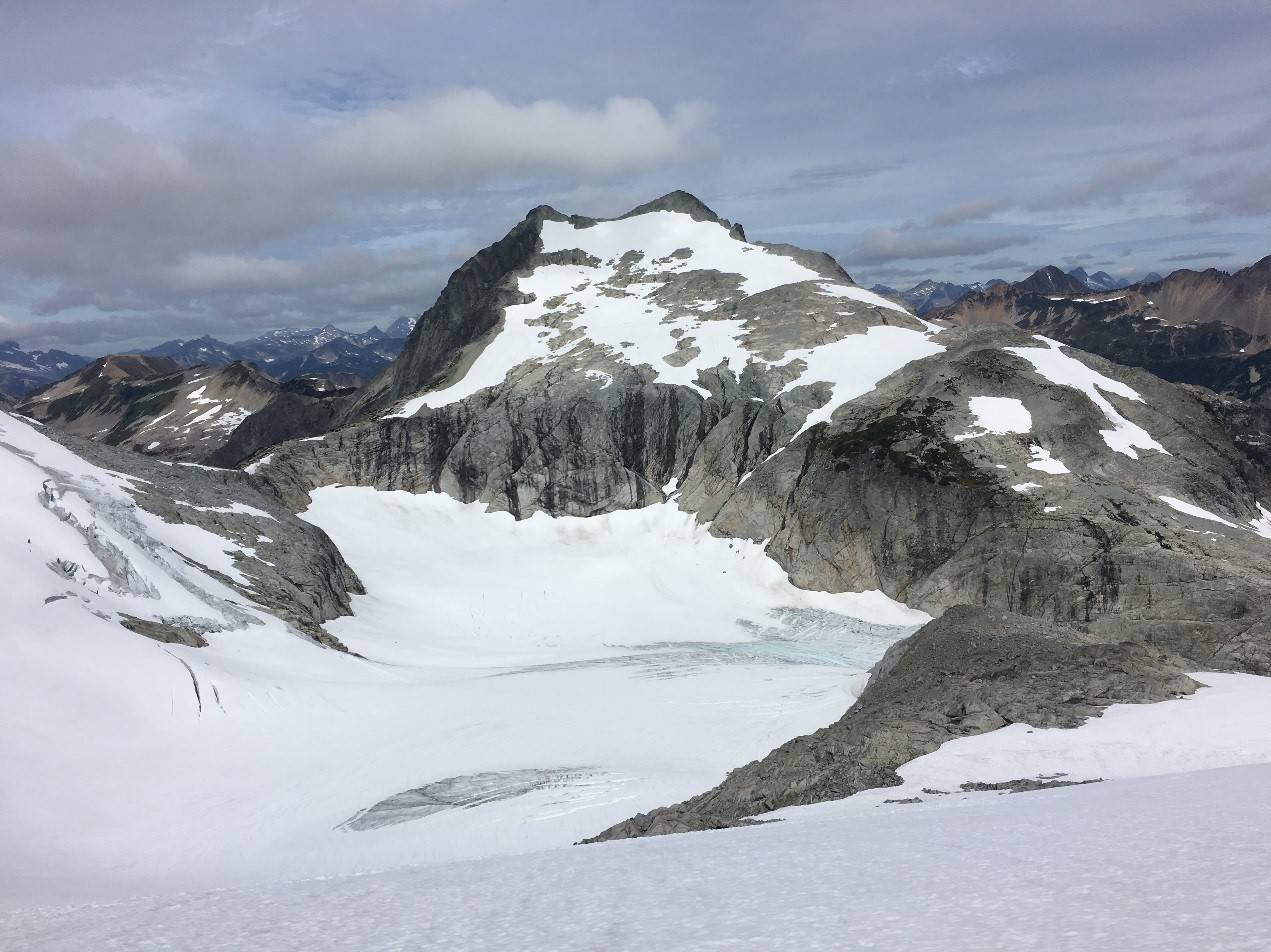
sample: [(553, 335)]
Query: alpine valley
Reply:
[(649, 528)]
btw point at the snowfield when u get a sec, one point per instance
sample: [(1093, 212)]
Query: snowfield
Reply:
[(1059, 368), (1177, 862)]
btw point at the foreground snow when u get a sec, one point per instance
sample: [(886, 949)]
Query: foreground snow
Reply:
[(1178, 862), (526, 684)]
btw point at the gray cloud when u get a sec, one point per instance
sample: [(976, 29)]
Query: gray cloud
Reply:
[(887, 273), (1233, 192), (1109, 184), (968, 211), (1200, 256), (124, 221), (1003, 264), (1254, 137), (470, 135), (908, 242), (232, 296), (831, 176)]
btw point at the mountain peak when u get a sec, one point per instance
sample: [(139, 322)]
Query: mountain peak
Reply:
[(677, 201), (1051, 280)]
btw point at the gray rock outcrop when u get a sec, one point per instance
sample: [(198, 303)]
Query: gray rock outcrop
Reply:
[(971, 671)]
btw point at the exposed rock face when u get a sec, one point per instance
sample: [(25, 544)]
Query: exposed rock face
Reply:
[(888, 497), (1247, 425), (291, 568), (900, 490), (1242, 299), (885, 496), (152, 406), (1233, 312), (469, 307), (971, 671), (1050, 280), (469, 311), (295, 413)]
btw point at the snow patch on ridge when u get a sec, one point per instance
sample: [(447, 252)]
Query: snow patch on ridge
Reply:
[(1057, 367), (1260, 526), (1224, 724), (854, 365), (999, 416), (853, 293)]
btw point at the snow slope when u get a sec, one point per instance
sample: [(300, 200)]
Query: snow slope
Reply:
[(1169, 863), (522, 685)]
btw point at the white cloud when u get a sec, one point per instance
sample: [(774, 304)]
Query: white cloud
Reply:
[(126, 221), (470, 134)]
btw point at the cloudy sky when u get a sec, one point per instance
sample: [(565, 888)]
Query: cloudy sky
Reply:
[(170, 168)]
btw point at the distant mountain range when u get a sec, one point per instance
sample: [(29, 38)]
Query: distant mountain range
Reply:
[(1208, 328), (1100, 280), (152, 405), (929, 295), (343, 359), (295, 352), (22, 371)]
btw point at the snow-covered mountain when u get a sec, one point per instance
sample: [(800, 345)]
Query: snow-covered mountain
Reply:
[(23, 371), (641, 501)]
